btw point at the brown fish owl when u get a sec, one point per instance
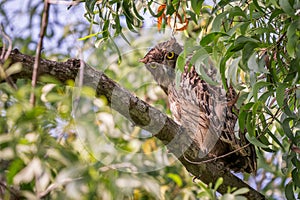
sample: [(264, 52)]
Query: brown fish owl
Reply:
[(205, 110)]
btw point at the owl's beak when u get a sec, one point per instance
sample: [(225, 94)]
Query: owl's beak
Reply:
[(144, 60)]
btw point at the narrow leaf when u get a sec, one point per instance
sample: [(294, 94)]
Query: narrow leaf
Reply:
[(257, 86), (289, 193), (211, 37), (255, 141), (280, 94), (196, 5)]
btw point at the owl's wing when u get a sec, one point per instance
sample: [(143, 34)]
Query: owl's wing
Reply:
[(207, 112)]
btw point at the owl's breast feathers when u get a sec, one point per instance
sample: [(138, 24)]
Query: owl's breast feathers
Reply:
[(207, 112)]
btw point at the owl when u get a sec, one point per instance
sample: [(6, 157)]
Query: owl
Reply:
[(207, 111)]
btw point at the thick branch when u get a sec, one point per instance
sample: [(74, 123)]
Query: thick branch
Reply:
[(140, 114)]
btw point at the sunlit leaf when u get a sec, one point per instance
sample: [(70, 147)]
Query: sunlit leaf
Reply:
[(218, 183), (13, 69), (241, 191), (176, 178)]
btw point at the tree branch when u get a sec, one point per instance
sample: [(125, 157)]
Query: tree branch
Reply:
[(139, 113)]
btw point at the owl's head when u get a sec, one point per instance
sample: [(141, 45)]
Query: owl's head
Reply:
[(161, 62)]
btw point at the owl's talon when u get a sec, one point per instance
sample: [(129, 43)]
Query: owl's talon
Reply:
[(194, 179)]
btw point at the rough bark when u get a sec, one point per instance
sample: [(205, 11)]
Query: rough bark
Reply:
[(139, 113)]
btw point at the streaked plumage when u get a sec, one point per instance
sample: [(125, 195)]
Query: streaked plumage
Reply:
[(207, 111)]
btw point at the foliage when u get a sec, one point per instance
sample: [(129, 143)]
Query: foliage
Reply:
[(254, 44)]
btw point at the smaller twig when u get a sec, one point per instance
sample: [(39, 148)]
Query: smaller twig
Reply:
[(176, 13), (38, 50), (68, 3), (218, 157), (118, 166), (4, 56)]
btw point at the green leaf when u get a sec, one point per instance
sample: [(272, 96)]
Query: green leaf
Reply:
[(201, 71), (243, 39), (89, 36), (275, 139), (296, 162), (105, 32), (257, 86), (201, 60), (292, 39), (242, 119), (248, 50), (286, 7), (223, 67), (218, 183), (240, 43), (180, 62), (14, 168), (196, 5), (287, 129), (151, 11), (280, 94), (90, 5), (296, 176), (244, 27), (258, 6), (217, 23), (176, 178), (275, 14), (265, 96), (237, 11), (250, 124), (137, 14), (257, 108), (200, 55), (211, 37), (170, 9), (255, 141), (289, 192), (241, 191), (192, 15), (117, 25)]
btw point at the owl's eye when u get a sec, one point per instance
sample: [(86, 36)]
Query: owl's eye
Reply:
[(170, 55), (153, 66)]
